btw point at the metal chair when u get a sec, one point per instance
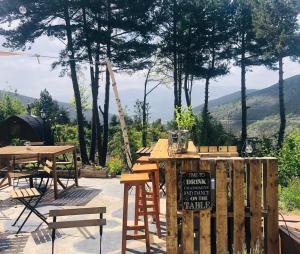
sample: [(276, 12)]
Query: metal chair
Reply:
[(77, 223), (30, 198)]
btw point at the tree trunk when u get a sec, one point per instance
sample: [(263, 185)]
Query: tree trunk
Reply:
[(281, 105), (72, 63), (93, 88), (98, 126), (179, 81), (243, 93), (187, 90), (144, 125), (107, 89), (175, 55), (144, 120), (205, 112)]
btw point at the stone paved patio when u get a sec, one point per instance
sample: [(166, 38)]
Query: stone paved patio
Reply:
[(36, 238)]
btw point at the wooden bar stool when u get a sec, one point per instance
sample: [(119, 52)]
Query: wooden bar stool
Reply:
[(143, 159), (152, 170), (138, 180)]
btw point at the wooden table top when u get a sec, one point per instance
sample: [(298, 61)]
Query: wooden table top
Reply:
[(160, 152), (9, 151)]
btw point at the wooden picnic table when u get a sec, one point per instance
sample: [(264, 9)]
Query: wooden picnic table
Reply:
[(8, 153)]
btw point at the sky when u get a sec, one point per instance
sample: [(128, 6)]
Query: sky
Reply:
[(29, 77)]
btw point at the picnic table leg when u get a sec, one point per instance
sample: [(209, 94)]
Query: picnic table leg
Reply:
[(54, 177), (75, 167)]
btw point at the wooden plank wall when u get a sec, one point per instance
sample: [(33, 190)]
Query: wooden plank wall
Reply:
[(262, 183)]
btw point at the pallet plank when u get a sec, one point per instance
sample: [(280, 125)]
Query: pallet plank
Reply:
[(221, 207), (171, 202), (238, 205), (255, 203), (205, 218), (188, 216), (272, 205)]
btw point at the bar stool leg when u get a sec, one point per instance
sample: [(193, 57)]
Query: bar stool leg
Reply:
[(156, 206), (125, 217), (136, 206), (156, 176), (145, 218)]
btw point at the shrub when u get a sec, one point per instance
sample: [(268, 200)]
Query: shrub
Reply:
[(289, 158), (115, 165), (290, 195)]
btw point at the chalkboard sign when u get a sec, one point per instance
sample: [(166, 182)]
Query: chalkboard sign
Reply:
[(196, 191)]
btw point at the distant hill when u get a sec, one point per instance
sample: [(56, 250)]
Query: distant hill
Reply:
[(263, 117), (224, 99), (67, 106)]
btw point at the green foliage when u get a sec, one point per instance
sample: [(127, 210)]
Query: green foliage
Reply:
[(66, 133), (289, 158), (17, 142), (10, 106), (216, 133), (290, 195), (185, 118), (54, 113), (276, 22), (115, 165)]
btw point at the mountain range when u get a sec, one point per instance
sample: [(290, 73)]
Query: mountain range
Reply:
[(263, 116), (263, 112)]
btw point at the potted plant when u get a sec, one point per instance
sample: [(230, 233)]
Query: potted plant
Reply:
[(115, 166), (185, 120)]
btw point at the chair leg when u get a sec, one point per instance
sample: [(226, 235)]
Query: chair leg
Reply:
[(32, 210), (20, 214), (101, 232), (53, 235)]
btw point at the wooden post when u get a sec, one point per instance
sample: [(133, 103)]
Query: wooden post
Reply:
[(255, 202), (54, 177), (221, 207), (171, 203), (205, 218), (188, 216), (121, 114), (238, 205), (272, 205)]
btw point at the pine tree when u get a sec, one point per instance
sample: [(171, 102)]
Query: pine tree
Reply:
[(276, 22), (247, 50)]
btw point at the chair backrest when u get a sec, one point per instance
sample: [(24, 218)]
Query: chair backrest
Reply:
[(77, 223)]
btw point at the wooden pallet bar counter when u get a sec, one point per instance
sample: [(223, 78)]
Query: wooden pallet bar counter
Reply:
[(243, 202)]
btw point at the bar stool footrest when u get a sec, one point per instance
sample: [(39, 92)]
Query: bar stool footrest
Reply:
[(135, 237), (136, 227)]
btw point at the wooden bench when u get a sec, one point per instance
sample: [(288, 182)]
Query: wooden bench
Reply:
[(77, 223)]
